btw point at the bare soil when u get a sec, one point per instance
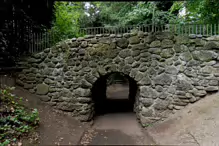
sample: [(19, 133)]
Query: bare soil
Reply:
[(55, 128), (197, 124)]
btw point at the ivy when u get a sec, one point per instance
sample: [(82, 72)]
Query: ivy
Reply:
[(15, 120)]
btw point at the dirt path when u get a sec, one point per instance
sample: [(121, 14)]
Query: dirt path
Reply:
[(116, 129), (197, 124), (59, 129), (55, 128), (119, 125)]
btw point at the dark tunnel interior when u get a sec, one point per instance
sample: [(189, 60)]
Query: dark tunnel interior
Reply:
[(123, 92)]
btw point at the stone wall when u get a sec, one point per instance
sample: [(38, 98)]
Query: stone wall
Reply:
[(171, 71)]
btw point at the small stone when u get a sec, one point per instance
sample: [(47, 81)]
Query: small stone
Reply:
[(42, 89), (171, 70), (177, 107), (192, 99), (161, 104), (213, 82), (93, 41), (154, 50), (164, 35), (204, 55), (182, 39), (84, 99), (84, 44), (146, 101), (81, 51), (145, 81), (199, 93), (125, 53), (211, 88), (149, 39), (199, 87), (189, 95), (126, 35), (82, 92), (167, 53), (211, 45), (148, 92), (134, 40), (213, 38), (192, 36), (163, 79), (183, 85), (135, 53), (45, 98), (155, 44), (170, 106), (166, 43), (163, 95), (159, 88), (182, 93), (186, 56), (85, 84), (139, 76), (32, 91), (28, 86), (140, 34), (147, 112)]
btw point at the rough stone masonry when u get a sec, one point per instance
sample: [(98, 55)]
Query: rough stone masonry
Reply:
[(171, 71)]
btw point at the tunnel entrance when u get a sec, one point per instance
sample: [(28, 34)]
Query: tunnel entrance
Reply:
[(114, 93)]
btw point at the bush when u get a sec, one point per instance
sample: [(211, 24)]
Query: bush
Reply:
[(15, 120)]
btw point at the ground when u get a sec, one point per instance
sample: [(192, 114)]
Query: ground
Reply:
[(197, 124), (55, 128)]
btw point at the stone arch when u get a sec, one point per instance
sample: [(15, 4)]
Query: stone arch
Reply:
[(170, 71), (100, 73), (99, 92)]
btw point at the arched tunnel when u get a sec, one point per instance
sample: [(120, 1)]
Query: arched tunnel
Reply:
[(114, 93)]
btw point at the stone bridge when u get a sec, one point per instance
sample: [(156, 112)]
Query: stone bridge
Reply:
[(166, 72)]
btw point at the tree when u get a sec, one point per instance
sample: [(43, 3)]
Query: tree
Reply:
[(71, 16), (204, 11), (199, 11), (66, 20)]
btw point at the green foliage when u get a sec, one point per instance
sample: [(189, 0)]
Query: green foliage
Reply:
[(202, 11), (135, 13), (15, 120), (178, 5), (66, 20), (71, 16)]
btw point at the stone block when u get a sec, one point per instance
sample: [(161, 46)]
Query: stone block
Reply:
[(42, 89)]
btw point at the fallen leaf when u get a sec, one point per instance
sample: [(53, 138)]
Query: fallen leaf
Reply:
[(19, 144), (12, 109)]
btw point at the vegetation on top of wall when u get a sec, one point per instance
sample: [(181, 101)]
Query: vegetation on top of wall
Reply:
[(202, 11), (16, 121), (69, 17), (66, 20)]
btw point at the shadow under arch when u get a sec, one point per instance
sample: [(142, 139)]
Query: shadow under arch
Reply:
[(103, 105)]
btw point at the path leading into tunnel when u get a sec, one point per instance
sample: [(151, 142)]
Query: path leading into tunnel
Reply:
[(197, 125), (118, 127)]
